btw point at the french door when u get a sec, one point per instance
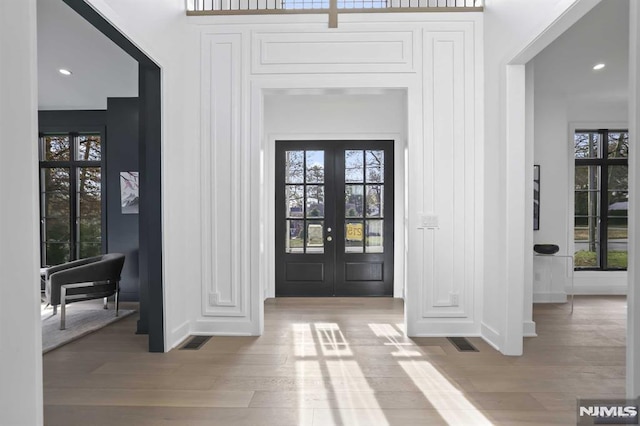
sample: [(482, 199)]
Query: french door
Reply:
[(334, 218)]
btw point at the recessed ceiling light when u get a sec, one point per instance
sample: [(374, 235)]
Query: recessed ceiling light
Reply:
[(598, 67), (64, 71)]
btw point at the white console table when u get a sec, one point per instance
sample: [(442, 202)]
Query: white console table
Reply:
[(565, 256)]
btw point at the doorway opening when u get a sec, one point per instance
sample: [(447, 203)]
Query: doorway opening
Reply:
[(146, 109)]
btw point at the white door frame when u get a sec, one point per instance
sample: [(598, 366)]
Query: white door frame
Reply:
[(263, 167), (519, 243)]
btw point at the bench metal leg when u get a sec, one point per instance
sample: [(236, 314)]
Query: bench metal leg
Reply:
[(105, 303), (117, 298), (55, 309), (63, 296)]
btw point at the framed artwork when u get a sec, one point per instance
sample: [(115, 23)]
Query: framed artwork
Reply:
[(129, 192), (536, 197)]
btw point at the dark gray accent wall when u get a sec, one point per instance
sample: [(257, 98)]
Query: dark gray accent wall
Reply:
[(119, 126), (122, 156)]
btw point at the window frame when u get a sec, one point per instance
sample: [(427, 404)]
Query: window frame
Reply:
[(603, 163), (73, 165)]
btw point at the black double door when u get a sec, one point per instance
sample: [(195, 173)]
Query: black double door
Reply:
[(334, 218)]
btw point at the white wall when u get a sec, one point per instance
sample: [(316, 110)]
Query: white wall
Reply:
[(20, 326), (342, 116), (158, 29), (435, 59), (633, 296), (509, 28)]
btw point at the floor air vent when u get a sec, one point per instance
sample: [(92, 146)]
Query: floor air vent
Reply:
[(195, 342), (462, 344)]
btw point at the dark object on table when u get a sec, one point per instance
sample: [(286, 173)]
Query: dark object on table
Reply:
[(546, 248)]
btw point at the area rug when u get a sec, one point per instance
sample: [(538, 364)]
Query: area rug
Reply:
[(80, 322)]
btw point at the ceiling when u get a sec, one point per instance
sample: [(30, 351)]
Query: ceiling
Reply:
[(565, 67), (100, 68)]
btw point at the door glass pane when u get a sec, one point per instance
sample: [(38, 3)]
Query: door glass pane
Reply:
[(375, 166), (294, 200), (587, 215), (57, 230), (55, 211), (587, 241), (56, 253), (617, 230), (315, 201), (89, 250), (89, 180), (587, 144), (618, 178), (375, 195), (89, 220), (89, 237), (617, 242), (56, 204), (354, 236), (56, 179), (315, 166), (315, 236), (354, 166), (618, 145), (374, 237), (587, 178), (354, 200), (55, 148), (294, 167), (88, 148), (295, 236)]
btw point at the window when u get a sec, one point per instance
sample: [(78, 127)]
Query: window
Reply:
[(601, 199), (70, 196)]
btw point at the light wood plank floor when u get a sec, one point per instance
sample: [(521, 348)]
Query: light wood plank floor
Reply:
[(341, 362)]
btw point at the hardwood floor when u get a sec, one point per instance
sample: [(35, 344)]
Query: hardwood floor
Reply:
[(341, 362)]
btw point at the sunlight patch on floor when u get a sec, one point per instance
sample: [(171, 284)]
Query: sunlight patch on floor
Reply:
[(448, 400), (332, 341), (304, 344), (392, 334)]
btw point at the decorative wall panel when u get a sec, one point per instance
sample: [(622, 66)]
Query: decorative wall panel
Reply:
[(448, 88), (332, 52), (223, 290)]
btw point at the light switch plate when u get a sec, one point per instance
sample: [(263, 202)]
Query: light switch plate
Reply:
[(429, 221)]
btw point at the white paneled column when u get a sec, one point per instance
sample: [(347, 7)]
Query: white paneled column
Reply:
[(20, 327), (442, 181), (633, 295), (226, 240), (515, 205)]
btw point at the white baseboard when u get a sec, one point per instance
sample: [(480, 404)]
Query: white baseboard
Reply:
[(443, 329), (529, 329), (601, 290), (491, 336), (178, 335), (223, 327), (549, 297)]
